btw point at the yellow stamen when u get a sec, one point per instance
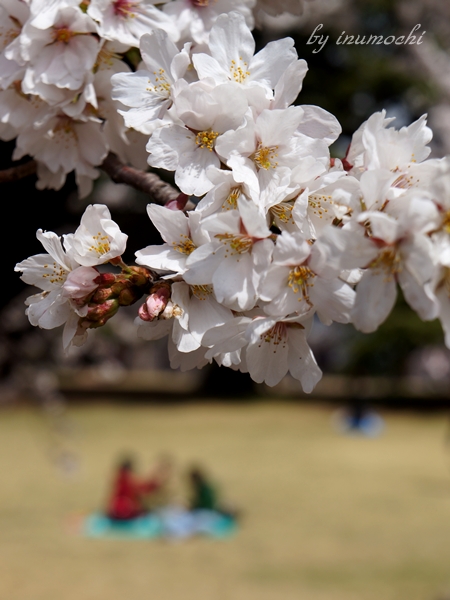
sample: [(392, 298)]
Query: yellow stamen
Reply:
[(201, 291), (123, 8), (230, 202), (235, 244), (186, 245), (446, 222), (300, 278), (63, 34), (317, 203), (238, 73), (161, 86), (283, 212), (276, 335), (57, 273), (388, 261), (206, 139), (101, 244), (265, 156)]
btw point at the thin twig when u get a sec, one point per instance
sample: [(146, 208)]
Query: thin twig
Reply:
[(159, 191), (18, 172), (149, 183)]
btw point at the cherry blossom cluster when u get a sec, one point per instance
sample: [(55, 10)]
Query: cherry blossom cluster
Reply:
[(74, 292), (285, 232), (281, 233), (57, 58)]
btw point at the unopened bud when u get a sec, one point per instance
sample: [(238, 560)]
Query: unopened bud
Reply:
[(179, 203), (140, 276), (98, 315), (156, 302), (101, 295), (129, 296), (106, 279)]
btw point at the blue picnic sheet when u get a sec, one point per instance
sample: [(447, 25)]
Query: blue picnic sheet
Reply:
[(170, 522)]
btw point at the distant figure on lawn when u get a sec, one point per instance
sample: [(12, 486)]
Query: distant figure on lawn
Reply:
[(142, 508), (128, 495), (203, 493)]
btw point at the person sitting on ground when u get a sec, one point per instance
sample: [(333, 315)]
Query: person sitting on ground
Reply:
[(125, 502), (204, 494)]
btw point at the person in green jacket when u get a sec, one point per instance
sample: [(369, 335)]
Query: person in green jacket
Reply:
[(204, 495)]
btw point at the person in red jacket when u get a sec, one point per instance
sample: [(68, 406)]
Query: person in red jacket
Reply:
[(131, 497), (125, 501)]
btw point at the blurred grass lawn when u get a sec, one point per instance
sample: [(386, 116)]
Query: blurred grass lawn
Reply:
[(327, 517)]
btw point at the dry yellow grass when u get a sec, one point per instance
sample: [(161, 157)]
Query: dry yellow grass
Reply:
[(326, 517)]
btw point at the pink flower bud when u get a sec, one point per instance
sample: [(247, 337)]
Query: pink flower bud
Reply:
[(143, 313), (179, 203), (80, 282), (155, 304)]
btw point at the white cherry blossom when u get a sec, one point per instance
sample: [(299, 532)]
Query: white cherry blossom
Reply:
[(13, 14), (63, 54), (148, 92), (127, 20), (236, 258), (403, 254), (300, 280), (58, 303), (181, 233), (232, 58), (63, 145), (272, 347), (98, 239), (190, 149)]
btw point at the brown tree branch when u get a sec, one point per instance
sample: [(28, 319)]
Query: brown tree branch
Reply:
[(18, 172), (149, 183), (159, 191)]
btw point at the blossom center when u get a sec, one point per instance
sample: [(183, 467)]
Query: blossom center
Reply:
[(315, 202), (206, 139), (124, 8), (64, 132), (230, 202), (17, 86), (298, 278), (276, 335), (283, 212), (388, 260), (265, 156), (63, 34), (235, 244), (186, 245), (161, 86), (446, 222), (56, 274), (201, 291), (238, 73), (101, 244), (105, 57), (404, 182), (9, 35)]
